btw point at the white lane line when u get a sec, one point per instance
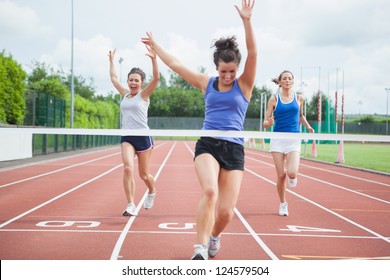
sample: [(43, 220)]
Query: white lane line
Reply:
[(58, 196), (256, 236), (56, 171), (346, 175), (330, 170), (47, 161), (193, 233), (249, 228), (324, 208), (328, 183), (115, 253), (65, 168)]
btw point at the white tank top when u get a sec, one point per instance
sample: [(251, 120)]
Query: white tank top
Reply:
[(134, 112)]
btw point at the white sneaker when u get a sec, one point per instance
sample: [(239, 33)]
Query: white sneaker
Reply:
[(214, 246), (149, 201), (130, 210), (283, 211), (292, 183), (200, 252)]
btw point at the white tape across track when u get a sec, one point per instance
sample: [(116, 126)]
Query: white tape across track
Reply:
[(198, 133)]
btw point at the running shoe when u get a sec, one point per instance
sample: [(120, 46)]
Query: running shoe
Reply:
[(200, 252), (292, 183), (214, 246), (283, 211), (149, 201), (130, 210)]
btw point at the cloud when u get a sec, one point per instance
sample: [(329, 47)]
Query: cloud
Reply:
[(344, 23), (350, 35), (19, 21)]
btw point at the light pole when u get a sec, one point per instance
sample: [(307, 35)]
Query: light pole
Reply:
[(387, 111), (261, 112), (319, 92), (71, 75)]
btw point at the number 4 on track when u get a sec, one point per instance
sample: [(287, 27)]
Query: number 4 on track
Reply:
[(311, 229)]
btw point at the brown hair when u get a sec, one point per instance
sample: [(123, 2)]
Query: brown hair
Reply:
[(277, 80), (138, 71), (227, 51)]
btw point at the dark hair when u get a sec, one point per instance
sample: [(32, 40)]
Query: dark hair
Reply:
[(227, 51), (137, 70), (277, 80)]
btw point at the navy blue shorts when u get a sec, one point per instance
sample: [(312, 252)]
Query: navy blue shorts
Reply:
[(229, 155), (140, 143)]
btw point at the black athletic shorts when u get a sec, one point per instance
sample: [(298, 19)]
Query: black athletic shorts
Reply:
[(140, 143), (229, 155)]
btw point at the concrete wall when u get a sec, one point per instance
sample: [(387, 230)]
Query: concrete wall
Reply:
[(15, 145)]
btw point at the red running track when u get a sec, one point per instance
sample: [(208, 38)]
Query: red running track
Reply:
[(70, 209)]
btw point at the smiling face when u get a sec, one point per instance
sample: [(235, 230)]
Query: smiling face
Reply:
[(135, 83), (227, 72)]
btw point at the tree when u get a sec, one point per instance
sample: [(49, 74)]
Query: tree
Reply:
[(312, 107), (12, 90), (81, 87), (44, 80), (255, 102)]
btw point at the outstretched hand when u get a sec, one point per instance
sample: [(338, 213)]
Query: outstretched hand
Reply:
[(148, 41), (246, 9), (111, 55), (151, 53)]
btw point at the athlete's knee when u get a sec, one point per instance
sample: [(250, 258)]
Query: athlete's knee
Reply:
[(128, 170), (281, 177), (292, 174), (210, 193), (144, 176), (226, 213)]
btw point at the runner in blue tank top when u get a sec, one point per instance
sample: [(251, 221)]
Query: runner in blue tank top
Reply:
[(287, 110), (219, 163)]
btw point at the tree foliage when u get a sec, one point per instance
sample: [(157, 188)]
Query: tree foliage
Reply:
[(312, 107), (12, 90), (172, 98)]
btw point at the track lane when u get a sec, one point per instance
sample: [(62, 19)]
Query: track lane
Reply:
[(310, 232), (318, 223), (98, 200)]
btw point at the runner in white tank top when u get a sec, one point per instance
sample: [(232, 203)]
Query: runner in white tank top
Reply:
[(134, 110)]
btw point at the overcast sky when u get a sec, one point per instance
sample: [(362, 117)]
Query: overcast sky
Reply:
[(319, 41)]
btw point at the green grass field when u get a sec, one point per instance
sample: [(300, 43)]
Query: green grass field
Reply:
[(371, 156)]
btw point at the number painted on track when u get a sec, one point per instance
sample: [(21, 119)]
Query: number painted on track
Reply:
[(170, 226), (84, 224), (311, 229)]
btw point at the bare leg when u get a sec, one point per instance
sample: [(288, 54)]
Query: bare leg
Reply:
[(229, 189), (207, 169), (280, 175), (128, 154), (144, 169)]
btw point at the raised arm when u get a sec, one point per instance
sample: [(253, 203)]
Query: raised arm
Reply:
[(114, 79), (148, 90), (247, 79), (198, 80)]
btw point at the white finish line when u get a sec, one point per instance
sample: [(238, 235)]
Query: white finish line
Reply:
[(199, 133)]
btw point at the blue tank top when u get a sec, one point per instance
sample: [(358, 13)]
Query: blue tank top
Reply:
[(225, 110), (286, 115)]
